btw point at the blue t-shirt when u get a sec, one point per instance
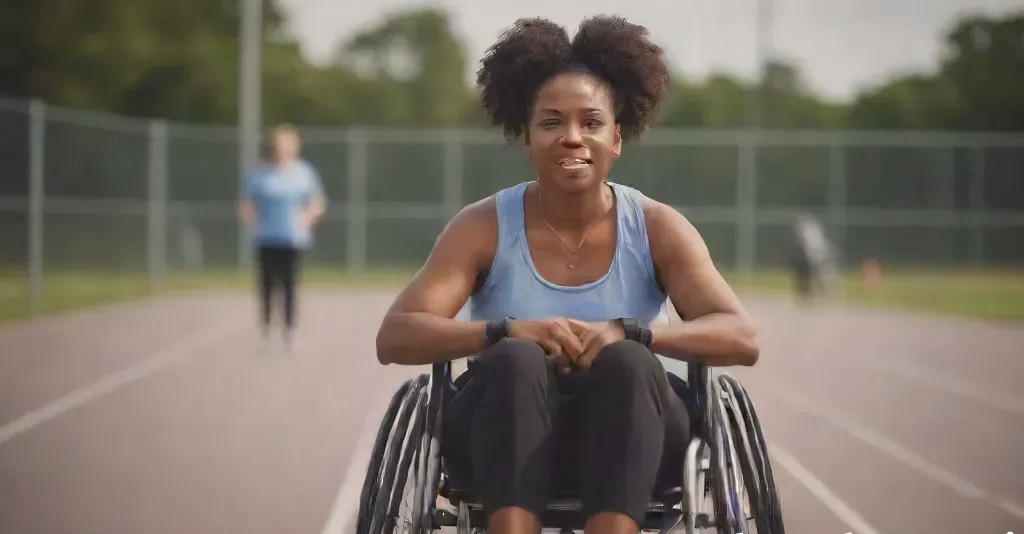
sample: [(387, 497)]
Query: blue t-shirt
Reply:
[(280, 194)]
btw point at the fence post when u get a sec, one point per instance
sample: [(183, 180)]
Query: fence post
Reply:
[(453, 162), (977, 207), (746, 202), (837, 194), (156, 239), (356, 221), (36, 194)]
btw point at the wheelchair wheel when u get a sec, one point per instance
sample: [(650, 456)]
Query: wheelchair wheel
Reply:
[(394, 488), (723, 477), (754, 461)]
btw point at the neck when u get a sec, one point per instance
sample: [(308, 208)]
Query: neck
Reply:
[(573, 211)]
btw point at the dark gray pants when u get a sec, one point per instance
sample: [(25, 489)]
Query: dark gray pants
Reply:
[(518, 433)]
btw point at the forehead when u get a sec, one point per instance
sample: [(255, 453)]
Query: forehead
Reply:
[(570, 92)]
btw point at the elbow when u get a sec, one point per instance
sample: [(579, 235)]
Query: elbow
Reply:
[(385, 348), (749, 346)]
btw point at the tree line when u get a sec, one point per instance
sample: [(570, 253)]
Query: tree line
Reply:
[(179, 61)]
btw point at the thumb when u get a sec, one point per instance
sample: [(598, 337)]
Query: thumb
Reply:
[(577, 327)]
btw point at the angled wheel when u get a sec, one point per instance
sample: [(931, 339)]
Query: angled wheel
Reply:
[(754, 461), (391, 486)]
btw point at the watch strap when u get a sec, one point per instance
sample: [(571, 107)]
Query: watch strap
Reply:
[(635, 331), (496, 330)]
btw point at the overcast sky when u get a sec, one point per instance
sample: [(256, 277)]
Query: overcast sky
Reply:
[(840, 45)]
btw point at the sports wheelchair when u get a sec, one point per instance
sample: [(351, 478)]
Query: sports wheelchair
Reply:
[(727, 463)]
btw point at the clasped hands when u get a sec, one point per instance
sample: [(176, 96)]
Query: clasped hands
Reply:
[(571, 344)]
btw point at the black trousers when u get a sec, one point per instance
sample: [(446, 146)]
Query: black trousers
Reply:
[(278, 270), (518, 433)]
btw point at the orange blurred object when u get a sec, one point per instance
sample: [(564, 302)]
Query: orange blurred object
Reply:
[(871, 274)]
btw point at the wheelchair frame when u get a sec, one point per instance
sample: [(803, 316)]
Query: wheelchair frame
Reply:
[(727, 456)]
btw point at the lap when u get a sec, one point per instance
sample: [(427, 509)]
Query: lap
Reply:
[(464, 395)]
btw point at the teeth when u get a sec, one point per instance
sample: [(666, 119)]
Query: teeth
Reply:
[(573, 161)]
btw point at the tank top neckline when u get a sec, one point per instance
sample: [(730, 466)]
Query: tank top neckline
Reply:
[(524, 246)]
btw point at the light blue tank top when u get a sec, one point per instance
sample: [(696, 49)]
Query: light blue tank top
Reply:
[(514, 288)]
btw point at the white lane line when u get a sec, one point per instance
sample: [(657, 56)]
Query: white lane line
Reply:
[(111, 382), (850, 517), (343, 513), (1012, 508), (881, 443), (974, 392)]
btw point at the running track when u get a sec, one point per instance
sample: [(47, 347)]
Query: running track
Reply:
[(168, 417)]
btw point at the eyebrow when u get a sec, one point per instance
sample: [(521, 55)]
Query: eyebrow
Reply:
[(557, 112)]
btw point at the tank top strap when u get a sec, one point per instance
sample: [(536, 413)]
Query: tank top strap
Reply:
[(509, 207), (634, 227)]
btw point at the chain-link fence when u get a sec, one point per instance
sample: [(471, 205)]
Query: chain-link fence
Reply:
[(81, 190)]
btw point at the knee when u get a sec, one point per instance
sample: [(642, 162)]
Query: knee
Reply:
[(627, 360), (513, 360)]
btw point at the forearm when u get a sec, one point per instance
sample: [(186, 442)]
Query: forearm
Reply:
[(717, 339), (424, 338)]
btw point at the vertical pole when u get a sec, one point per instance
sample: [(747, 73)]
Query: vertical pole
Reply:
[(746, 203), (837, 193), (156, 240), (355, 239), (762, 50), (36, 194), (977, 200), (249, 103), (836, 210), (453, 161)]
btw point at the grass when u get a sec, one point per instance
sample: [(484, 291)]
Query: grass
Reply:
[(982, 293)]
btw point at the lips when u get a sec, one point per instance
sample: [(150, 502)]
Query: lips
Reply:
[(571, 163)]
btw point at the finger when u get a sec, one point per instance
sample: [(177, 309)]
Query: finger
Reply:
[(571, 344), (551, 348), (576, 327)]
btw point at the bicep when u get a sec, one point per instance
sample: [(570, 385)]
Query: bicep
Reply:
[(685, 268), (446, 280)]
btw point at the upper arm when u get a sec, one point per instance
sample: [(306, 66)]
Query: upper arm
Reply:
[(684, 267), (463, 250), (316, 185)]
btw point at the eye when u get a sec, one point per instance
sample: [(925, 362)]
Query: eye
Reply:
[(549, 123), (593, 124)]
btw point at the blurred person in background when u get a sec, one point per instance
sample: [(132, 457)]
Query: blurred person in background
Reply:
[(812, 258), (282, 203)]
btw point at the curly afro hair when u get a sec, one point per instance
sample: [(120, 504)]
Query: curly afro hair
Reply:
[(607, 47)]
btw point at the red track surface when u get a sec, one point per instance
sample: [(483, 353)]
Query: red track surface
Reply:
[(170, 417)]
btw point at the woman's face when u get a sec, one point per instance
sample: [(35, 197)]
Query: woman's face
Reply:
[(572, 139), (284, 146)]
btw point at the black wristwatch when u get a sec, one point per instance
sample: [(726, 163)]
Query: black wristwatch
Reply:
[(635, 331), (496, 330)]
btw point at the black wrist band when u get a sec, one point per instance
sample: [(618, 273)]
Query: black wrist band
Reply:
[(635, 331), (496, 330)]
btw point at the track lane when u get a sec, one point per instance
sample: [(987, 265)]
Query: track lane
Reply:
[(235, 439)]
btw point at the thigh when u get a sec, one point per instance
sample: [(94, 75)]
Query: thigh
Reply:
[(265, 263), (457, 429), (678, 432)]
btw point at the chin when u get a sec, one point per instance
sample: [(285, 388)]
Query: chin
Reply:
[(577, 181)]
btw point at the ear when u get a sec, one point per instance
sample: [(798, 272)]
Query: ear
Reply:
[(617, 143)]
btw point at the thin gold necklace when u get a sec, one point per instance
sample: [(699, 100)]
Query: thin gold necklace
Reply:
[(573, 254)]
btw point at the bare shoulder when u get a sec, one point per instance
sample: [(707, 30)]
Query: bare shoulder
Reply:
[(473, 230), (672, 236)]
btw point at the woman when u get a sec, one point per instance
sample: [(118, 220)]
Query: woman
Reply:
[(567, 278), (283, 201)]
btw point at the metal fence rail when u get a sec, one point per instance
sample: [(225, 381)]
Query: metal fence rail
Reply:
[(81, 190)]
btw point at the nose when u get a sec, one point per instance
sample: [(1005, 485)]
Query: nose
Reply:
[(572, 136)]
